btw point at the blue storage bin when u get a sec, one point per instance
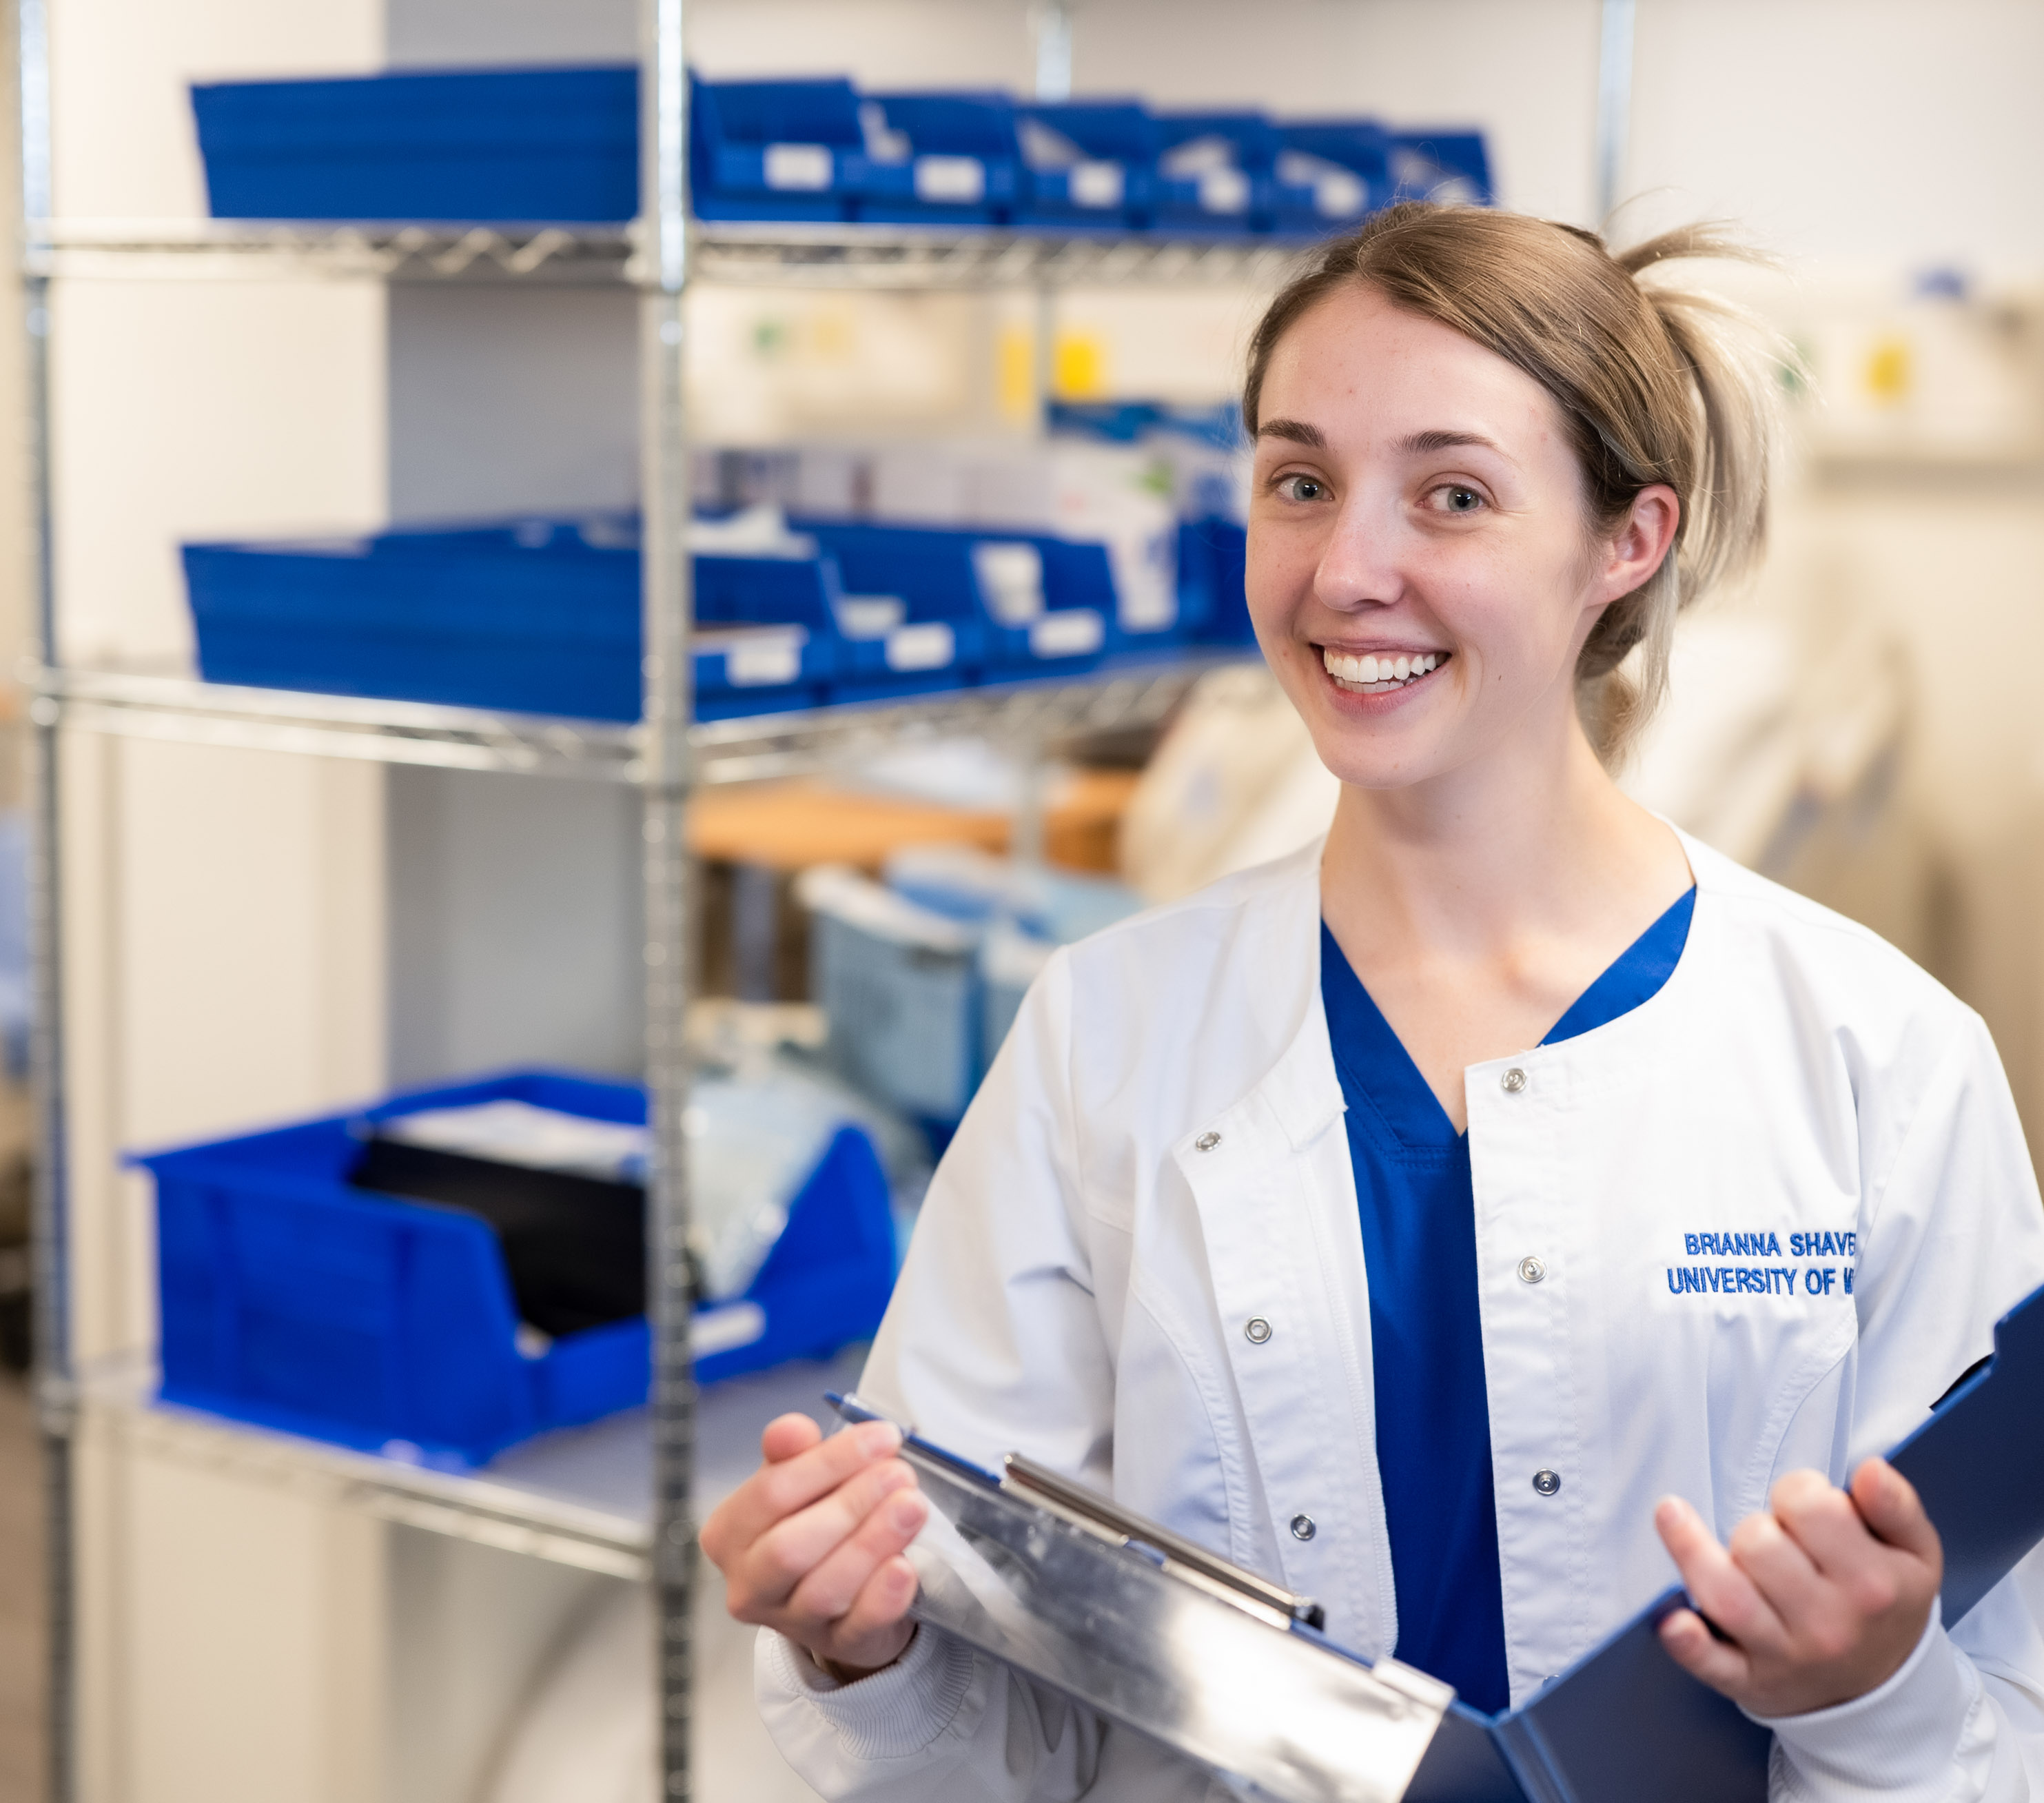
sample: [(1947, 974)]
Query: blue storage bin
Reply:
[(1213, 561), (1214, 172), (1328, 175), (1452, 167), (741, 670), (875, 651), (535, 621), (537, 616), (778, 149), (1088, 164), (900, 984), (529, 145), (765, 642), (941, 574), (291, 1299), (939, 159)]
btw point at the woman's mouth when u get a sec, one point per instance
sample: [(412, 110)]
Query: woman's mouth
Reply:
[(1379, 673)]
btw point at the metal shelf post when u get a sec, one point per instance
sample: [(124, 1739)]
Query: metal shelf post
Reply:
[(666, 487), (56, 1399)]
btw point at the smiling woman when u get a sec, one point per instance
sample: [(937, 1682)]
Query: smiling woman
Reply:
[(1437, 1106)]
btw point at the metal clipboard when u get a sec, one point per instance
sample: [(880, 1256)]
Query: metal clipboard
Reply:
[(1158, 1634)]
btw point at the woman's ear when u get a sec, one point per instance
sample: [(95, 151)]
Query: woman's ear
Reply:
[(1642, 541)]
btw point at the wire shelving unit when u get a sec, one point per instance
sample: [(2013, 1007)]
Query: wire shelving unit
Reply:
[(615, 1498)]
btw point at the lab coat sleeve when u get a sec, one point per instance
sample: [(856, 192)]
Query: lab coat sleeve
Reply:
[(1954, 1237), (993, 1342)]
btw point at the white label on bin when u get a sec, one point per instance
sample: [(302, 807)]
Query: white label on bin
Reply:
[(1011, 580), (1224, 190), (959, 179), (1072, 633), (926, 646), (726, 1329), (803, 166), (1096, 184), (1337, 194), (869, 616), (753, 663)]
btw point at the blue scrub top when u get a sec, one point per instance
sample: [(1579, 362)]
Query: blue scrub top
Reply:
[(1418, 1238)]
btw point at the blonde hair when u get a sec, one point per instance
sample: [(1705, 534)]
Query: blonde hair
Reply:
[(1654, 384)]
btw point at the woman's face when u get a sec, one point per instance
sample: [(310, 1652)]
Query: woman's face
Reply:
[(1420, 573)]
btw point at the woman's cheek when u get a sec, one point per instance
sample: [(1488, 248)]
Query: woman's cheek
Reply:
[(1279, 581)]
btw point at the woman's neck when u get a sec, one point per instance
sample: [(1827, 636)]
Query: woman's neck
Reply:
[(1477, 906), (1485, 852)]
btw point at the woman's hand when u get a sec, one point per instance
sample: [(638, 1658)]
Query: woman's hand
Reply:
[(1817, 1600), (811, 1544)]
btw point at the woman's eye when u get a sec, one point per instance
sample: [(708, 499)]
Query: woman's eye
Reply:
[(1302, 488), (1453, 497)]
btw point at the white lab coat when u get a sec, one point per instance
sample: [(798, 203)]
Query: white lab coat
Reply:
[(1158, 1156)]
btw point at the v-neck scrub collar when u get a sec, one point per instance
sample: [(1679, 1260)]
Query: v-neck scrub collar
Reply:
[(1416, 1198)]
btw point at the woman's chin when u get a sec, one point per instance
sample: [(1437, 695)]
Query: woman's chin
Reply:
[(1377, 760)]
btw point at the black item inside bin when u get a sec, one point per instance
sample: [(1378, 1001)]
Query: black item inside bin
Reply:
[(575, 1246)]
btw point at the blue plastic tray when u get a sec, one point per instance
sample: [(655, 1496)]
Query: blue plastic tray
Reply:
[(1450, 166), (909, 658), (1359, 147), (1233, 195), (523, 144), (292, 1300), (542, 617), (775, 149), (932, 569), (539, 617), (1213, 602), (1110, 190), (944, 159)]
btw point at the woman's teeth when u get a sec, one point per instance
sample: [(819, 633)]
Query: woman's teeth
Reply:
[(1377, 674)]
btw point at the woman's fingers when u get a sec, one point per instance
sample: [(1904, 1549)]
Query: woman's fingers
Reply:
[(1889, 1504), (1825, 1522), (1716, 1585), (836, 1580), (1692, 1645), (1821, 1596), (812, 1542), (785, 1436), (1772, 1552), (874, 1632), (780, 1488), (765, 1575)]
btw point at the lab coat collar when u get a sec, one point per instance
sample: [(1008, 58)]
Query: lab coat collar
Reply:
[(1276, 1200), (1302, 1089)]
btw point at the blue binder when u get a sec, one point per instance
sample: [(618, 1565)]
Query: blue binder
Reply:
[(1626, 1722)]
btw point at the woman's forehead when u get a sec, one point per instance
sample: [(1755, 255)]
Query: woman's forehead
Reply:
[(1353, 366)]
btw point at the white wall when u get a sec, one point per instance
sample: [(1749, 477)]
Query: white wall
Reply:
[(1879, 133), (503, 400), (514, 924), (423, 34), (123, 141)]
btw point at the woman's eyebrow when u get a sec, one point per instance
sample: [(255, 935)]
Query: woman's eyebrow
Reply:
[(1424, 443), (1296, 431)]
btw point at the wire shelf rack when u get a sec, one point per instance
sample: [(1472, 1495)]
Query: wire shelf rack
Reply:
[(736, 254), (1130, 693)]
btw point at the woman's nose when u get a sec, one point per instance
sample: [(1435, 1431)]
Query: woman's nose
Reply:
[(1358, 566)]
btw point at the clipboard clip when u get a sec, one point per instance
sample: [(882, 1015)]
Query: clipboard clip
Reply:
[(1056, 1494)]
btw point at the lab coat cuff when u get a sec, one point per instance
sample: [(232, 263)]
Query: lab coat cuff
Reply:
[(888, 1714), (1899, 1739)]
